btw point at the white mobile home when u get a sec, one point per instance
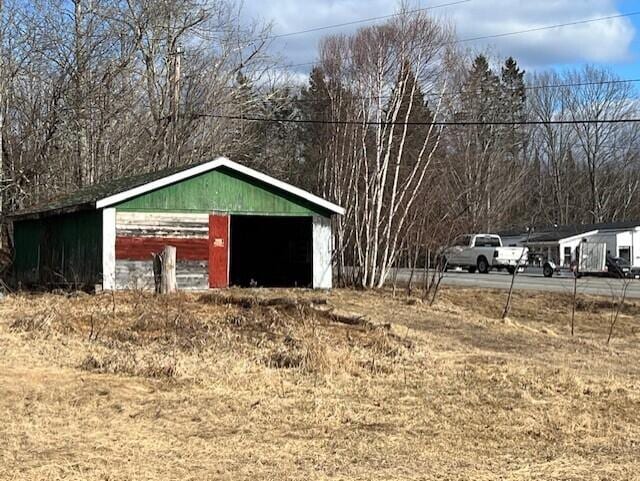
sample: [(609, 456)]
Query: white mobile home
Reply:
[(558, 243)]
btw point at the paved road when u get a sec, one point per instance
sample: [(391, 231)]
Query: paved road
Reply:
[(532, 279)]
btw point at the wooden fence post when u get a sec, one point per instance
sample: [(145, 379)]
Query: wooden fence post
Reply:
[(164, 271)]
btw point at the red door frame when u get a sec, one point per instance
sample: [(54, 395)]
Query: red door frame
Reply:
[(219, 226)]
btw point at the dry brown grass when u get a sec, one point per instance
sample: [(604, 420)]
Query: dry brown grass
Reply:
[(134, 387)]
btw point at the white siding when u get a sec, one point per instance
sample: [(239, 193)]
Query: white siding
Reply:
[(322, 271), (614, 240), (624, 239), (608, 238), (109, 248), (572, 243), (138, 275), (636, 248), (162, 224)]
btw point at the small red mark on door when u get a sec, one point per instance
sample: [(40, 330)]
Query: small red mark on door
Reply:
[(219, 250)]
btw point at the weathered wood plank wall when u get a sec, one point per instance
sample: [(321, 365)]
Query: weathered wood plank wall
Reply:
[(141, 234)]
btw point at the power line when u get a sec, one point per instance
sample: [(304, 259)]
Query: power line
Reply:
[(453, 94), (437, 123), (582, 84), (559, 25), (525, 88), (517, 32), (364, 20), (499, 35)]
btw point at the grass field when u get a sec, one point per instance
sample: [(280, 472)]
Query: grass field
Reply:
[(201, 386)]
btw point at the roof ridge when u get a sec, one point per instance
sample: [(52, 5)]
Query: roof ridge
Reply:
[(104, 194)]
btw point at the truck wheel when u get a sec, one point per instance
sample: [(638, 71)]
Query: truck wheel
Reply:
[(511, 270), (483, 265), (472, 269), (547, 270)]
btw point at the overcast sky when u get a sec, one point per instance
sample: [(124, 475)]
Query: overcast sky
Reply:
[(611, 42)]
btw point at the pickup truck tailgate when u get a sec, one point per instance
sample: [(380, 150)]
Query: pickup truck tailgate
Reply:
[(512, 254)]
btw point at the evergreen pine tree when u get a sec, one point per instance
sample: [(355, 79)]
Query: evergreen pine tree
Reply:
[(314, 103), (419, 114), (514, 89)]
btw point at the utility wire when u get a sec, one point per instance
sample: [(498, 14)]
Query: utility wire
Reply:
[(581, 84), (517, 32), (538, 29), (526, 87), (364, 20), (454, 94), (437, 123), (499, 35)]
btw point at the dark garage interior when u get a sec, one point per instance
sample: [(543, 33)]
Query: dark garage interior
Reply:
[(268, 251)]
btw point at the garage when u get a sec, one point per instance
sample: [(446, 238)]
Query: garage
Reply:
[(230, 225)]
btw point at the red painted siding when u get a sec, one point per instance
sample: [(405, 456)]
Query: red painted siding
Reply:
[(141, 248), (218, 251)]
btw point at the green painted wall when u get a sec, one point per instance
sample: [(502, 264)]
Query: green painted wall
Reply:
[(61, 250), (222, 190)]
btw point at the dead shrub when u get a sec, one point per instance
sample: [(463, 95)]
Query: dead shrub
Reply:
[(374, 366), (126, 362), (283, 357), (189, 332), (310, 355), (38, 323), (159, 367), (599, 305), (228, 299), (184, 331), (273, 319), (116, 362), (236, 320), (380, 342), (584, 305), (316, 357), (91, 363), (127, 335), (144, 323), (260, 323), (97, 325)]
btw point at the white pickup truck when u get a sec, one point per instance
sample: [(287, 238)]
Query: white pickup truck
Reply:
[(484, 252)]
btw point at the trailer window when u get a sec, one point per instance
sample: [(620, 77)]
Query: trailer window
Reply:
[(625, 253)]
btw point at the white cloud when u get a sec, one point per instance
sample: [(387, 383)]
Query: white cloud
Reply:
[(603, 41)]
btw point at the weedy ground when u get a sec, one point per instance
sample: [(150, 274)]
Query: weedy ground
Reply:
[(233, 386)]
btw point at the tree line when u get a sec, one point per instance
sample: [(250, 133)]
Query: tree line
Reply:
[(417, 138)]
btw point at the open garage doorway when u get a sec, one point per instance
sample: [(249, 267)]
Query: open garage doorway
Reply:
[(270, 251)]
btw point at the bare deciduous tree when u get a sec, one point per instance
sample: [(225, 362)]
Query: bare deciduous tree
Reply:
[(382, 72)]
